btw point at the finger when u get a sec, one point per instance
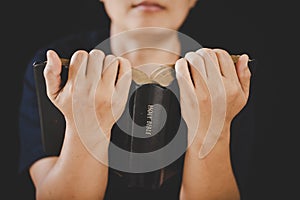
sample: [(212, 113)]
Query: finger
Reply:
[(226, 64), (244, 73), (210, 59), (95, 65), (124, 77), (188, 98), (110, 71), (78, 65), (52, 73), (197, 68), (121, 90), (187, 89), (182, 70)]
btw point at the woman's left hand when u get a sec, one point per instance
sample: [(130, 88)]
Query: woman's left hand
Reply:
[(213, 90)]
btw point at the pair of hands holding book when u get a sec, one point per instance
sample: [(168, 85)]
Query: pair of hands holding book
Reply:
[(213, 89)]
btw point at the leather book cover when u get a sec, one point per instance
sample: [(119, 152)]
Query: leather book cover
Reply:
[(52, 121)]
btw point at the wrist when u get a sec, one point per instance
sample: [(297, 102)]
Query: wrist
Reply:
[(197, 142)]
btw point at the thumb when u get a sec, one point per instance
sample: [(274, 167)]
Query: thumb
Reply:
[(244, 73), (52, 73)]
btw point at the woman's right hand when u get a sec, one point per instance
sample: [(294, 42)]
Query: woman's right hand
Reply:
[(96, 84)]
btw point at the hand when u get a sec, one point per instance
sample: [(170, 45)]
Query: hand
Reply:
[(92, 99), (213, 91), (97, 85)]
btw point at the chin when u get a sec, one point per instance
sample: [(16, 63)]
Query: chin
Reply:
[(152, 25)]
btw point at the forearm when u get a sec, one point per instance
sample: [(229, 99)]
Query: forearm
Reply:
[(211, 177), (76, 174)]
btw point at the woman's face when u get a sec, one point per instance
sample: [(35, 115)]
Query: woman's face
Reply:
[(131, 14)]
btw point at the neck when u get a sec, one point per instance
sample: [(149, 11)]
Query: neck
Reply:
[(146, 45)]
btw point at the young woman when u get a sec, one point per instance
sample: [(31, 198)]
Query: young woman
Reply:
[(211, 86)]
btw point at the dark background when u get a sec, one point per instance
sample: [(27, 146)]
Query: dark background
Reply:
[(264, 30)]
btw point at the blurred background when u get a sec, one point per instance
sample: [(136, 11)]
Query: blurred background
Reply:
[(264, 30)]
